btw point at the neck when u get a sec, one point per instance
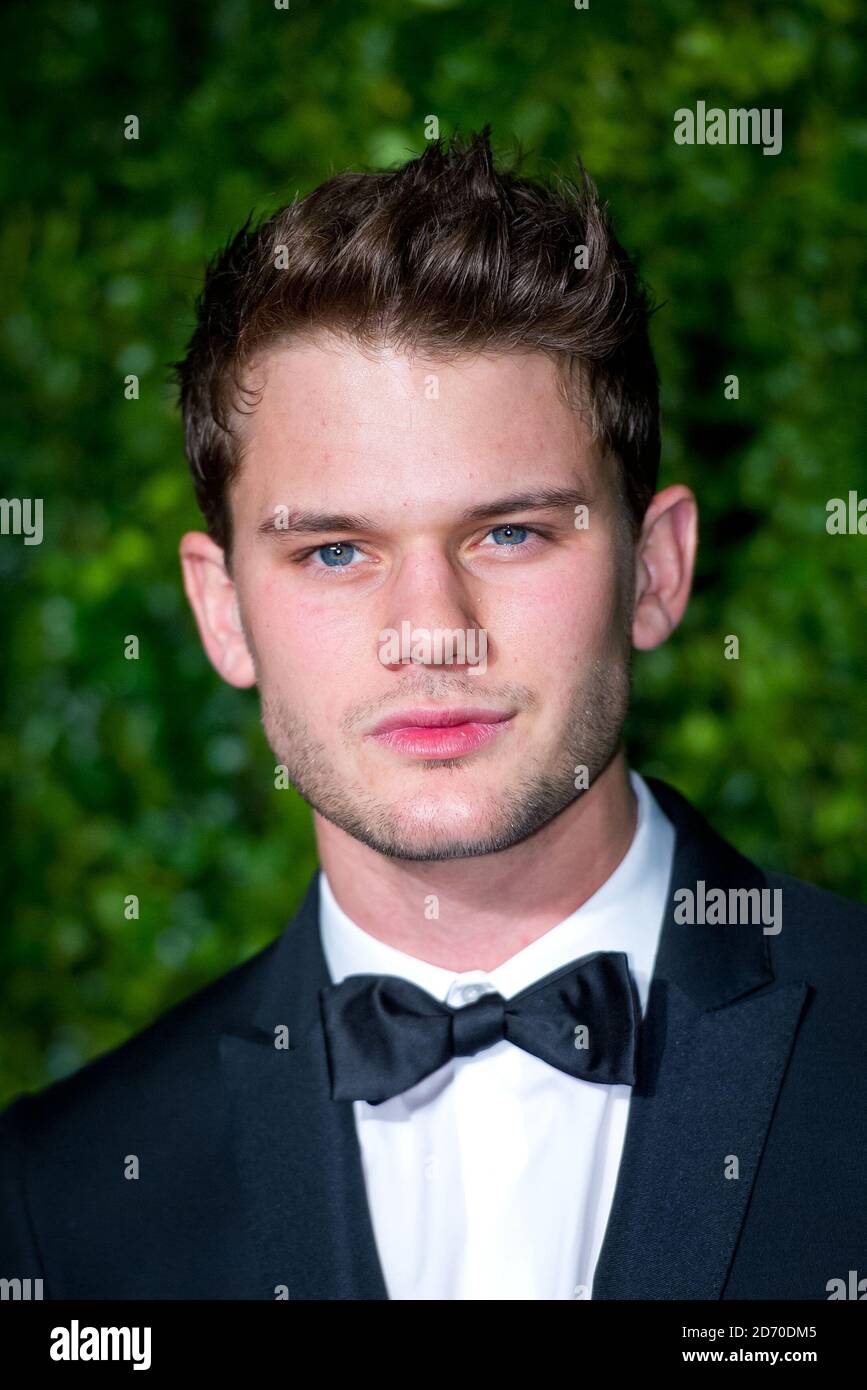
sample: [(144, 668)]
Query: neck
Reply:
[(489, 906)]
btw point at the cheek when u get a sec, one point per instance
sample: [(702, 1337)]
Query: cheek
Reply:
[(571, 610), (303, 643)]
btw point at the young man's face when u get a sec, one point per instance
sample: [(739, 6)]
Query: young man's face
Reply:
[(421, 458)]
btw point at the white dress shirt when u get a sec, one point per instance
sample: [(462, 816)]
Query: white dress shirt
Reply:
[(493, 1177)]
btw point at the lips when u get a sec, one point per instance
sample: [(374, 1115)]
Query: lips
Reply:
[(439, 719), (440, 733)]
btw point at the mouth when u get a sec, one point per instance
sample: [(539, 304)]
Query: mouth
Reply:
[(440, 733)]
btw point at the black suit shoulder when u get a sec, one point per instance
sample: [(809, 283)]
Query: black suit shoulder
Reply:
[(157, 1059), (821, 934), (153, 1106), (810, 901)]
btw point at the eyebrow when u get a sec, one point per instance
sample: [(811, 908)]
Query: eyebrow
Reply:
[(539, 500), (314, 523)]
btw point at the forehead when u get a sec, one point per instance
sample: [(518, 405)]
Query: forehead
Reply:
[(342, 424)]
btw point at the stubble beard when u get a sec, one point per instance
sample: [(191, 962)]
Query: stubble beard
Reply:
[(590, 737)]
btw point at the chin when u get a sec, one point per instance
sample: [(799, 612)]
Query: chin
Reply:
[(447, 817), (445, 830), (431, 849)]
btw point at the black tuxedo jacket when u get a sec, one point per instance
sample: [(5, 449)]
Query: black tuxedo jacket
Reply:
[(250, 1186)]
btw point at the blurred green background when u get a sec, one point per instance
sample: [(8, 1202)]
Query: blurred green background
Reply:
[(149, 777)]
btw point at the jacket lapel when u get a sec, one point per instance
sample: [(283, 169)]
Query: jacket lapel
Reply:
[(297, 1149), (715, 1044)]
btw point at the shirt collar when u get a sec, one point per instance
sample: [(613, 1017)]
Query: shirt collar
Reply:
[(624, 914)]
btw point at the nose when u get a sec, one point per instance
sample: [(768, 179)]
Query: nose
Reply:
[(430, 617)]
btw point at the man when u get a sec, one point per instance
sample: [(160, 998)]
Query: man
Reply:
[(536, 1031)]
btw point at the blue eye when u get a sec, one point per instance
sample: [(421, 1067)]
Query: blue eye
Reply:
[(337, 555), (512, 535)]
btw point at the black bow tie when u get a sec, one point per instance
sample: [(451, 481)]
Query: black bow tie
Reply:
[(383, 1034)]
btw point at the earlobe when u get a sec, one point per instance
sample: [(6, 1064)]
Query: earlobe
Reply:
[(214, 602), (666, 558)]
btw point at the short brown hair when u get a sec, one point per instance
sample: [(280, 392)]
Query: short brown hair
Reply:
[(447, 254)]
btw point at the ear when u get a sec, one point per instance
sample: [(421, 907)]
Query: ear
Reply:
[(215, 604), (665, 557)]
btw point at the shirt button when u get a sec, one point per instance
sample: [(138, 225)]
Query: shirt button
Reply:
[(460, 995)]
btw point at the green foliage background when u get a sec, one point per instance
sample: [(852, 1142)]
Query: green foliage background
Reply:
[(148, 776)]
